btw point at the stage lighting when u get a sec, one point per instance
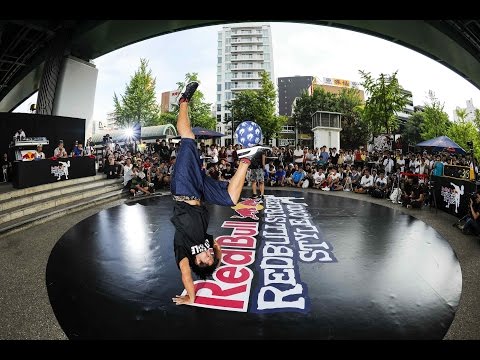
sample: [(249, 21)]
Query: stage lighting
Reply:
[(129, 132)]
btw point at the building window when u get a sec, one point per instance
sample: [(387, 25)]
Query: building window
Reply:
[(219, 60), (219, 87), (219, 78), (219, 97), (219, 117), (219, 107)]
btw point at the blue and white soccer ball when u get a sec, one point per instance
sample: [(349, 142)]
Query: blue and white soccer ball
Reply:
[(248, 134)]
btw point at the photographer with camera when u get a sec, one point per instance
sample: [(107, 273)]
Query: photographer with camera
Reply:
[(472, 226)]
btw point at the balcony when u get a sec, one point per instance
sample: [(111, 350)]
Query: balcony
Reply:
[(246, 41), (247, 77), (246, 49), (255, 66), (326, 119), (246, 58), (245, 87), (246, 32)]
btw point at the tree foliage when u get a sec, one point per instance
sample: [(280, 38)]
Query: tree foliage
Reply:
[(306, 106), (258, 106), (435, 120), (138, 104), (348, 102), (385, 99), (411, 134), (354, 129), (199, 111), (167, 118)]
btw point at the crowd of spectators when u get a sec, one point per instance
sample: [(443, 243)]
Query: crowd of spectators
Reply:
[(360, 171), (375, 173)]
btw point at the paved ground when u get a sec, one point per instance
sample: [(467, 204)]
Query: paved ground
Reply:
[(26, 312)]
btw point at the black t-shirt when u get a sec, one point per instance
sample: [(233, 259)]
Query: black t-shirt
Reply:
[(228, 174), (191, 238), (164, 153)]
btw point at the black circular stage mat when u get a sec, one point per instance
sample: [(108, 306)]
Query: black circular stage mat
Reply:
[(295, 266)]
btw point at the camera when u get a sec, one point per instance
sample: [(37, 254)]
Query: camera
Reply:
[(107, 139)]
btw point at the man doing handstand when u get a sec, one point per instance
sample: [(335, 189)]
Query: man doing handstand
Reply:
[(190, 187)]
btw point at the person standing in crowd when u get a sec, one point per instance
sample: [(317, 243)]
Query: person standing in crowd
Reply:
[(334, 156), (324, 156), (6, 166), (257, 175), (127, 172), (164, 152), (438, 167), (88, 147), (298, 156)]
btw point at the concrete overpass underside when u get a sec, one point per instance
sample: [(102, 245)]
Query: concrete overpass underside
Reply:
[(25, 44)]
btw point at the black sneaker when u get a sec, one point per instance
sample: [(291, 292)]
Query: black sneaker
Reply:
[(189, 91), (252, 152)]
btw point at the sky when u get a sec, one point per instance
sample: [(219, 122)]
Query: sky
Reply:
[(298, 49)]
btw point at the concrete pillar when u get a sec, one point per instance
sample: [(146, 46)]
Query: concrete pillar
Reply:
[(328, 136), (75, 94)]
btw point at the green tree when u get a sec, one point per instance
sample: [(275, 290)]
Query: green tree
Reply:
[(354, 130), (463, 131), (385, 99), (307, 105), (259, 106), (167, 118), (435, 120), (199, 111), (476, 120), (411, 131), (138, 103), (243, 107)]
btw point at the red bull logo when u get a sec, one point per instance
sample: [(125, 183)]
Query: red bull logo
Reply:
[(26, 156), (248, 208)]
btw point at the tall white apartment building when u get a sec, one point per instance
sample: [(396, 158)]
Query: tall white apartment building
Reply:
[(470, 111), (244, 50)]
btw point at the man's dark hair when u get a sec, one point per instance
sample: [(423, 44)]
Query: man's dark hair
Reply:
[(204, 271)]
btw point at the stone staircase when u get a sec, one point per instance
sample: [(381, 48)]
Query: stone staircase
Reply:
[(20, 209)]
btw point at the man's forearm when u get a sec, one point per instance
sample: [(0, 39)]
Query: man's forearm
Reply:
[(189, 286)]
